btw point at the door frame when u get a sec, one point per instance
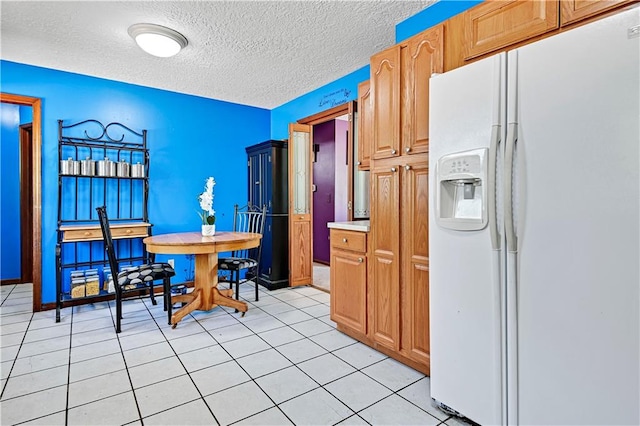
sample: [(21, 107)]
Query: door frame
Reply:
[(347, 108), (36, 186)]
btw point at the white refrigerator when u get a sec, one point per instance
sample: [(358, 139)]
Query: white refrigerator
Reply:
[(534, 231)]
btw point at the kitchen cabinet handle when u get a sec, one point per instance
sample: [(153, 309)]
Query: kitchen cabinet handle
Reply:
[(393, 152), (257, 182), (344, 240), (360, 260), (393, 169), (407, 167), (407, 149)]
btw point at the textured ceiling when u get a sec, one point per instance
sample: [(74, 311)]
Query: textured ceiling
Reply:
[(260, 53)]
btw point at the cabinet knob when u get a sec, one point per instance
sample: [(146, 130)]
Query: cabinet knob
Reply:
[(358, 163), (393, 169), (407, 149), (257, 182), (407, 167), (360, 260), (393, 152), (344, 240), (87, 234), (128, 231)]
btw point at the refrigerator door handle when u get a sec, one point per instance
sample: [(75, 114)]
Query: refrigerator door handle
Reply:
[(492, 188), (510, 231)]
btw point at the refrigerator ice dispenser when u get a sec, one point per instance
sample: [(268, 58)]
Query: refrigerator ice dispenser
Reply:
[(462, 190)]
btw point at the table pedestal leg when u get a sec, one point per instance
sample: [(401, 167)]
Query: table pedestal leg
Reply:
[(206, 295)]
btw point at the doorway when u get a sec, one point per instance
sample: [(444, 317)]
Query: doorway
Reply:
[(28, 146), (330, 201)]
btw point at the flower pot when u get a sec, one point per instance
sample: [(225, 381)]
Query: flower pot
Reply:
[(208, 230)]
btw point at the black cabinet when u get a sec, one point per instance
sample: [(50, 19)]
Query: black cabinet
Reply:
[(268, 185)]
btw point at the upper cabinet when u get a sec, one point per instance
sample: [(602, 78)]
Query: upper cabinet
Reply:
[(420, 57), (365, 125), (493, 25), (385, 102), (400, 94), (575, 10)]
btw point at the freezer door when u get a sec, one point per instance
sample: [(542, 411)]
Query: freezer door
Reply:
[(577, 218), (465, 272)]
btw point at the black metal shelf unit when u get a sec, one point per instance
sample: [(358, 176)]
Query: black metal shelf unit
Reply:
[(81, 189)]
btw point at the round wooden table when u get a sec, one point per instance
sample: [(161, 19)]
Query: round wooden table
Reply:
[(205, 295)]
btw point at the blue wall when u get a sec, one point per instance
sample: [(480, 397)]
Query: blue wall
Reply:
[(189, 138), (10, 193), (338, 92)]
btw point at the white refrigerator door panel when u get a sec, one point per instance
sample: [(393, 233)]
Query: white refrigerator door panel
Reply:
[(464, 272), (577, 223)]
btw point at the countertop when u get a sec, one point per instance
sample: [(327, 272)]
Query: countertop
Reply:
[(354, 225)]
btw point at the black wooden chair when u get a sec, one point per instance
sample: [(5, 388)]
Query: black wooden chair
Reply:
[(135, 278), (245, 219)]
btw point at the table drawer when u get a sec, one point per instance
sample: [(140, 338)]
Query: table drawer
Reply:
[(349, 240)]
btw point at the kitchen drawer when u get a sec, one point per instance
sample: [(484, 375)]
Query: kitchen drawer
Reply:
[(94, 233), (349, 240)]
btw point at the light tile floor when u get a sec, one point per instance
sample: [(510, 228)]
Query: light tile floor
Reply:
[(283, 363)]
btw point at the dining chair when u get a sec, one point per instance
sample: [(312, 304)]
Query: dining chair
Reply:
[(134, 278), (249, 218)]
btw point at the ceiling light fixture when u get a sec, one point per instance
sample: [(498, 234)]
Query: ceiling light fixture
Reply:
[(157, 40)]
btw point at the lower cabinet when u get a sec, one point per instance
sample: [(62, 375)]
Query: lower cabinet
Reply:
[(393, 320), (349, 280)]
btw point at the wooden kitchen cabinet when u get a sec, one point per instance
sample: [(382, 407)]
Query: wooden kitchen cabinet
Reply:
[(421, 56), (414, 286), (400, 94), (399, 256), (493, 25), (385, 103), (349, 279), (575, 10), (365, 125), (385, 253)]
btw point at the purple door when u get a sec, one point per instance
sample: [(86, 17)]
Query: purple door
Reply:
[(324, 195)]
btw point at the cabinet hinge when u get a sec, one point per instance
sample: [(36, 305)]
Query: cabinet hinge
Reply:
[(269, 158), (249, 163)]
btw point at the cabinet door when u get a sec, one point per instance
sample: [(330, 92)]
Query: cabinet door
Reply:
[(253, 164), (575, 10), (385, 101), (421, 57), (349, 289), (496, 24), (415, 260), (385, 255), (365, 125), (265, 180)]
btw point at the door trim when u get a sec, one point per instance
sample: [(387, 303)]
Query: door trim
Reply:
[(36, 185)]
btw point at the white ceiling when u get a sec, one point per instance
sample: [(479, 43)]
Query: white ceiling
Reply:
[(259, 53)]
